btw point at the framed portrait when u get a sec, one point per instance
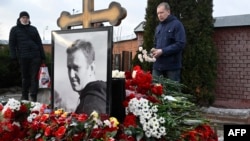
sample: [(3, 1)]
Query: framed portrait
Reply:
[(68, 88)]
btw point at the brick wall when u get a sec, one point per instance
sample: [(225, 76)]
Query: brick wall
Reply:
[(233, 82), (128, 45)]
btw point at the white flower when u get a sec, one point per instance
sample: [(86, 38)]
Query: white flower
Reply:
[(31, 117), (139, 56), (16, 123), (147, 115), (154, 132), (154, 108), (148, 134), (36, 106), (118, 74), (107, 123), (154, 122), (157, 135), (13, 104), (162, 120), (162, 130), (151, 123), (145, 56), (143, 120), (144, 51), (73, 124), (141, 60), (140, 48), (170, 98)]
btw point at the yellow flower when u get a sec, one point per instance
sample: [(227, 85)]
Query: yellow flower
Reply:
[(59, 111), (94, 114), (113, 121), (64, 114)]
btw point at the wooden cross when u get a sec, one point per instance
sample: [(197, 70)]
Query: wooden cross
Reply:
[(114, 14)]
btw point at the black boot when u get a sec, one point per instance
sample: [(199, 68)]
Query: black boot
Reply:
[(24, 97), (33, 98)]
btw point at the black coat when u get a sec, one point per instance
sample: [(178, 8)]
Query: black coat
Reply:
[(25, 42), (93, 98)]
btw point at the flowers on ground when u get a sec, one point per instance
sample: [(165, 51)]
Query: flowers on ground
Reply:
[(152, 113), (33, 121)]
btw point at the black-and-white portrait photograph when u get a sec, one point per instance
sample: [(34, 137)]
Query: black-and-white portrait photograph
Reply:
[(81, 69)]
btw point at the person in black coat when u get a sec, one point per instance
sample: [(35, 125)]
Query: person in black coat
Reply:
[(81, 72), (26, 47)]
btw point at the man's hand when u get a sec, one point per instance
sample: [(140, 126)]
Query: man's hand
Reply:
[(156, 52)]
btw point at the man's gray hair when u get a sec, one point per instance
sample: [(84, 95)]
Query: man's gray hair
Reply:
[(165, 4)]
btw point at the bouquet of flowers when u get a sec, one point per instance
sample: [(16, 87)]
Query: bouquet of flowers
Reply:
[(153, 115)]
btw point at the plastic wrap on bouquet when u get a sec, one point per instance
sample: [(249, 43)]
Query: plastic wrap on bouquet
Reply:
[(117, 97)]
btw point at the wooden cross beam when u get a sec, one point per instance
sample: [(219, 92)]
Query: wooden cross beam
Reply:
[(114, 14)]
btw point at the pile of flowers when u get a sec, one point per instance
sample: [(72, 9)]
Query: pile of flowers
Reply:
[(34, 122), (154, 112)]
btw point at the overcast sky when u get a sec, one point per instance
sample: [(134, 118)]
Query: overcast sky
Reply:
[(44, 13)]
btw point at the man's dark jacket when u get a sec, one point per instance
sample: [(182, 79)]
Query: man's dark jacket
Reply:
[(93, 98), (170, 37), (25, 42)]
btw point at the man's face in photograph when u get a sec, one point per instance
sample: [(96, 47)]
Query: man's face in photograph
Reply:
[(78, 70)]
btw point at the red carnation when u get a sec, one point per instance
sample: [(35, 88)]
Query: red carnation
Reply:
[(23, 109), (48, 131), (157, 89), (8, 114), (60, 132), (82, 117), (130, 120)]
